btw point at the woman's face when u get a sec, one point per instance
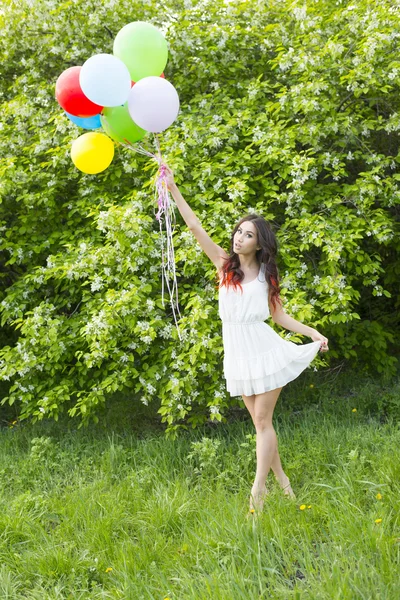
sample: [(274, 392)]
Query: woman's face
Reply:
[(245, 239)]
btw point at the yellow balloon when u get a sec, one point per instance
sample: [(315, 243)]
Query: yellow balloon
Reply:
[(92, 152)]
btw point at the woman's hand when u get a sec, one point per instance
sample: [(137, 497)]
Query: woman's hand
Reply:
[(316, 337), (169, 177)]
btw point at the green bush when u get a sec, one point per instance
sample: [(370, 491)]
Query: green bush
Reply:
[(288, 109)]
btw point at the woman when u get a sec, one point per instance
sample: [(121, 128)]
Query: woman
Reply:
[(257, 361)]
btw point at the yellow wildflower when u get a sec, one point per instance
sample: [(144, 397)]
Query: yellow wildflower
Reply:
[(379, 496), (252, 510), (109, 569), (302, 507), (311, 385), (354, 410), (378, 520), (309, 506)]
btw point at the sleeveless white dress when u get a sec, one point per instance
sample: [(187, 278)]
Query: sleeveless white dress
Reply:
[(256, 358)]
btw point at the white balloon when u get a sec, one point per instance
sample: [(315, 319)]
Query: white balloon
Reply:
[(105, 80), (153, 103)]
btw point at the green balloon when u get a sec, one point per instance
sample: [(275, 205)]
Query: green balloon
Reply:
[(143, 48), (117, 123)]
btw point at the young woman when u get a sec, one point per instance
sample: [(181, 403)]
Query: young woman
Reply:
[(257, 361)]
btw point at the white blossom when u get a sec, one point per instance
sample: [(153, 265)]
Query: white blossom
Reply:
[(97, 284)]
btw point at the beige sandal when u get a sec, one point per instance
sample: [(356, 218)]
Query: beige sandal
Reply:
[(290, 492)]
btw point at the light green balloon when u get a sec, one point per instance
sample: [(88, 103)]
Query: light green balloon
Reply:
[(143, 48), (117, 123)]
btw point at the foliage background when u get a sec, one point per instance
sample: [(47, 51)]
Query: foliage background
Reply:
[(288, 109)]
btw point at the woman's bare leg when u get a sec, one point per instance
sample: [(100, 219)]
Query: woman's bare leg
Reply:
[(276, 464), (266, 443)]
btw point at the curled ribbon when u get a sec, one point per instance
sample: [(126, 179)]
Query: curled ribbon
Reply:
[(166, 210)]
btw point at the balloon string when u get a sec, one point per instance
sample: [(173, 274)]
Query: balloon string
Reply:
[(129, 145), (138, 149), (166, 209)]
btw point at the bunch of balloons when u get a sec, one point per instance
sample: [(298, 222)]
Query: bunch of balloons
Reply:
[(125, 93)]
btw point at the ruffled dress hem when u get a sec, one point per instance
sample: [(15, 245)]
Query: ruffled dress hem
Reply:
[(282, 371)]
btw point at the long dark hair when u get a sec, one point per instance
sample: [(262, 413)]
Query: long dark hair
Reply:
[(232, 274)]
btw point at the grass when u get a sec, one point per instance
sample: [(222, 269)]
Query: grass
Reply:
[(118, 511)]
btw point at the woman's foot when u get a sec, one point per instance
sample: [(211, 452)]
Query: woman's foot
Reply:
[(287, 489), (257, 498)]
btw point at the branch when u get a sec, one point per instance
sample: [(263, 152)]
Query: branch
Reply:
[(74, 311), (343, 101), (109, 31)]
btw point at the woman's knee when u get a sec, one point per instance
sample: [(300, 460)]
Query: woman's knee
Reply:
[(264, 405), (263, 422)]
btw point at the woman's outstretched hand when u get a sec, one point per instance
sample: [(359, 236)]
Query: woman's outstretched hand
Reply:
[(169, 177), (318, 337)]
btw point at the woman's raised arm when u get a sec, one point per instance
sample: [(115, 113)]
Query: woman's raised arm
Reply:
[(214, 252)]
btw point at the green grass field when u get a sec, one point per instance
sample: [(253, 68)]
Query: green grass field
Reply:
[(118, 511)]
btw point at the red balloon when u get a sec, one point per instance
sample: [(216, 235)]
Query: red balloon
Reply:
[(70, 97)]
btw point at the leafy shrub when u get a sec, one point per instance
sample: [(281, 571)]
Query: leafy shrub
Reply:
[(288, 110)]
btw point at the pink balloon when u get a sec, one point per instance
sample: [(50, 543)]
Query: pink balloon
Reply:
[(153, 103)]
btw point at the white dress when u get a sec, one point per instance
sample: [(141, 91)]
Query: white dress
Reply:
[(256, 358)]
